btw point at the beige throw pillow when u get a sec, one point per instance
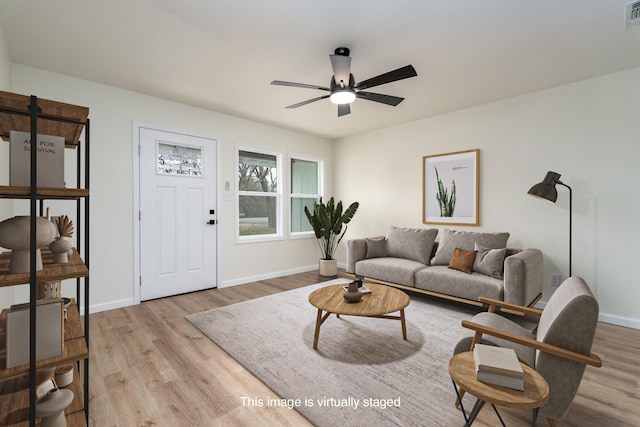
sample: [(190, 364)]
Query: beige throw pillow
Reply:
[(376, 248), (489, 262)]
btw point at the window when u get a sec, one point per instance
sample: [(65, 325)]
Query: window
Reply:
[(259, 195), (305, 190)]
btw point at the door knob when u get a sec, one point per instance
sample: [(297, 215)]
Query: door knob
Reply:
[(211, 222)]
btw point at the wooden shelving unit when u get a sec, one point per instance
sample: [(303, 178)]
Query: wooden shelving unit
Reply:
[(75, 347), (17, 384), (13, 192), (73, 269), (58, 118)]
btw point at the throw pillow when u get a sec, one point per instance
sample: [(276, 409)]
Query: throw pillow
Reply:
[(466, 240), (462, 260), (376, 248), (489, 262), (411, 243)]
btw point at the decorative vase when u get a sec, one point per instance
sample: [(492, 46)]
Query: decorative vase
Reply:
[(48, 290), (61, 247), (328, 267), (15, 234), (64, 375), (352, 294), (51, 407)]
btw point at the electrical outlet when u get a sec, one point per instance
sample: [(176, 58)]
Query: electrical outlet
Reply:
[(555, 280)]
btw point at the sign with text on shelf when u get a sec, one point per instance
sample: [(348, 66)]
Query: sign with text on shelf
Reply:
[(50, 160)]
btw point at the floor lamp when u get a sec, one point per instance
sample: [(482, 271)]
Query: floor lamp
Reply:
[(547, 190)]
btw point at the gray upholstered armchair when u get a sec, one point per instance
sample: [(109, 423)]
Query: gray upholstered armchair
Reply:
[(559, 348)]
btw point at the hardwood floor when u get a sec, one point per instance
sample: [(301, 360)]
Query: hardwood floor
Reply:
[(151, 367)]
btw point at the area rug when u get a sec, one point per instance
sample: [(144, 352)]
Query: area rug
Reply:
[(362, 374)]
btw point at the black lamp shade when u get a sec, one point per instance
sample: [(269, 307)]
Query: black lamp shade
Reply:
[(547, 188)]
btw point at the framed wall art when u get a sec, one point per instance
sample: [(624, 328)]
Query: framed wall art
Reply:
[(450, 188)]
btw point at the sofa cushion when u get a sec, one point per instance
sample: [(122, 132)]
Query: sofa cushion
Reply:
[(394, 270), (376, 248), (489, 261), (411, 243), (466, 241), (462, 260), (472, 286)]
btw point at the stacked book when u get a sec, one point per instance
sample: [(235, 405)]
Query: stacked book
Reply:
[(499, 366)]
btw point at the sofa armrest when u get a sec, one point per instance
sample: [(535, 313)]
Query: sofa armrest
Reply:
[(523, 277), (510, 308), (356, 251)]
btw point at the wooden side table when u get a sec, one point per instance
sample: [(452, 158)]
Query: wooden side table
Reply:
[(463, 374)]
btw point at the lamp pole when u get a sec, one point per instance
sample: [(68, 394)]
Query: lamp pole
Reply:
[(570, 219)]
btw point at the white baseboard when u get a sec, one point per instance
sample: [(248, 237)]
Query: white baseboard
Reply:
[(627, 322), (619, 320), (271, 275), (108, 306)]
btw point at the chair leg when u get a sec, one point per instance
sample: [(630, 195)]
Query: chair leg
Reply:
[(458, 399), (552, 422)]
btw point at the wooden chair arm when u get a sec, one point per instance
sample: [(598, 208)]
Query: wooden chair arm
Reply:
[(591, 359), (513, 308)]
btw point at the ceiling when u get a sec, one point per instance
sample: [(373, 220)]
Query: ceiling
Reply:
[(221, 55)]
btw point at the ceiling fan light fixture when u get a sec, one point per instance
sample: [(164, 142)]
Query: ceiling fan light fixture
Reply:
[(343, 96)]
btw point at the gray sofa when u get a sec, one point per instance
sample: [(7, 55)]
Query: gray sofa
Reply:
[(410, 258)]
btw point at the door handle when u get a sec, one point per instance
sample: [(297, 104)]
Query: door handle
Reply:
[(211, 222)]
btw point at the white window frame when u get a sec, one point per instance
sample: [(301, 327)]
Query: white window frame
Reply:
[(279, 235), (290, 195)]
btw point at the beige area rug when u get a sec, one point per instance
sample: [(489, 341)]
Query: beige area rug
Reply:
[(362, 374)]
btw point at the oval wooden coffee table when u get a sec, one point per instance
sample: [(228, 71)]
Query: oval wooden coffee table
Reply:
[(379, 303), (463, 374)]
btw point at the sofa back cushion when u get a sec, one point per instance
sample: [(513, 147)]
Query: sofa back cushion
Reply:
[(466, 241), (411, 243)]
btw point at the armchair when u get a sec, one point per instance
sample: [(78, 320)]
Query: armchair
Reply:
[(559, 348)]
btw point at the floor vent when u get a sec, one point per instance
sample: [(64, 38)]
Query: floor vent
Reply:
[(632, 14)]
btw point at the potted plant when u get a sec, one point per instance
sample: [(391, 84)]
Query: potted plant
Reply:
[(327, 221)]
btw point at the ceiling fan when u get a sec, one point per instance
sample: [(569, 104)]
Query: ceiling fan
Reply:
[(343, 88)]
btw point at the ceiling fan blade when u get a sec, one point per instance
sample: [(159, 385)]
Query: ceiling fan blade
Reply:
[(341, 68), (392, 76), (344, 109), (378, 97), (308, 101), (302, 85)]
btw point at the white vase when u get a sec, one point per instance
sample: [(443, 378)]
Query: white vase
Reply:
[(15, 234), (51, 407), (60, 248), (328, 267)]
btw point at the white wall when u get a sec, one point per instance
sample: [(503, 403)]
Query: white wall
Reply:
[(112, 112), (585, 131), (5, 64)]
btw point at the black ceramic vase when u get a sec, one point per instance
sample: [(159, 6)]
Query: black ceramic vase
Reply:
[(352, 294)]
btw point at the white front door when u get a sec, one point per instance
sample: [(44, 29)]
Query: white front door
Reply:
[(177, 213)]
